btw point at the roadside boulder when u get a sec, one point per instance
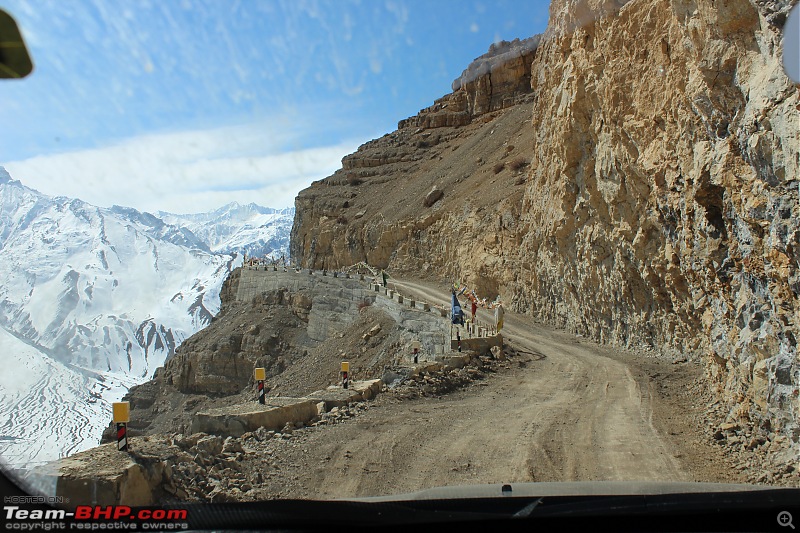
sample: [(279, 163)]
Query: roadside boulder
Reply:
[(434, 196)]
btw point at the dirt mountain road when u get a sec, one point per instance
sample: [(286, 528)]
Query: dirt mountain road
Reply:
[(564, 411)]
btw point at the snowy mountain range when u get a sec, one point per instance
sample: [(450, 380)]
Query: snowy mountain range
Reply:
[(93, 300), (235, 228)]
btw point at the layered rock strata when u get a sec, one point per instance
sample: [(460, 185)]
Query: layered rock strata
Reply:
[(646, 195)]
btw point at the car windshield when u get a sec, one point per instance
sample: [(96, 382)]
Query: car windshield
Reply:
[(273, 250)]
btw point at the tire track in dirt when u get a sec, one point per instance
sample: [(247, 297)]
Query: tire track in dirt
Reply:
[(565, 413)]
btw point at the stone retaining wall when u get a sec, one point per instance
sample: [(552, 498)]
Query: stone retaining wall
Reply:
[(336, 301)]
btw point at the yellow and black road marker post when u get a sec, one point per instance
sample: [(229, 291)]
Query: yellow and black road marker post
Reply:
[(345, 374), (415, 348), (121, 412), (261, 375)]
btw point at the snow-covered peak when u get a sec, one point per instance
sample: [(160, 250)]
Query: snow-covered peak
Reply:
[(237, 228), (100, 291), (230, 211), (5, 177)]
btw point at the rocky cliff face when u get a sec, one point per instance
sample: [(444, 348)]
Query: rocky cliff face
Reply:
[(496, 80), (643, 191)]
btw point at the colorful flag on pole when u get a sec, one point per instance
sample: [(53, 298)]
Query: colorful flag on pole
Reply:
[(456, 314)]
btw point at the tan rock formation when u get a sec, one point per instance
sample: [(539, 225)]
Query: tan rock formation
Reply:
[(660, 206), (496, 80)]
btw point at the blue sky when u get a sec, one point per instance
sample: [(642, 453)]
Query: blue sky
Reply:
[(791, 45), (184, 105)]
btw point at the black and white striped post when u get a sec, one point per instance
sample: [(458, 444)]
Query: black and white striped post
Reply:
[(121, 412), (415, 347), (261, 375), (345, 374)]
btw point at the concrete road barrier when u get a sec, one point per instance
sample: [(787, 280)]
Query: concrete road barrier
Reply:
[(427, 367), (454, 361), (335, 396), (103, 476), (482, 345), (237, 420)]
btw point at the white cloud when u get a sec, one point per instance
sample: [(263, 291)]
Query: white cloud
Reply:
[(186, 172), (474, 28)]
